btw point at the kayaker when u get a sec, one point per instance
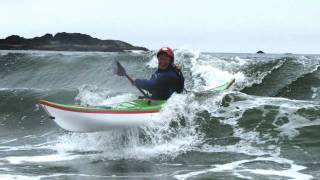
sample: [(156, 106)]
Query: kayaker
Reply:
[(166, 80)]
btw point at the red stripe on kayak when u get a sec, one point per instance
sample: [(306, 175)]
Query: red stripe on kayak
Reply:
[(46, 103)]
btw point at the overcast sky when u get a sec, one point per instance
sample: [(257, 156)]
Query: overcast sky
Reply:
[(274, 26)]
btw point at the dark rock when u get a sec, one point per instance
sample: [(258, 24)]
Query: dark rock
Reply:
[(43, 39), (66, 42), (260, 52), (76, 38), (14, 39)]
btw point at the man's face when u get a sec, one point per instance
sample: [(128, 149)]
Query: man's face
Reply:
[(164, 61)]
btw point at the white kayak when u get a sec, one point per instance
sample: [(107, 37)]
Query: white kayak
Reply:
[(134, 113)]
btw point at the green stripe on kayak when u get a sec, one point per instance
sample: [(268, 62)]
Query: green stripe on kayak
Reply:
[(139, 104), (135, 105), (222, 87), (217, 89)]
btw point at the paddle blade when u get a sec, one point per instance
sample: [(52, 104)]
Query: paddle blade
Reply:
[(119, 69)]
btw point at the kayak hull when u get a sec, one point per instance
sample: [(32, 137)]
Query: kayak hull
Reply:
[(92, 119), (93, 122)]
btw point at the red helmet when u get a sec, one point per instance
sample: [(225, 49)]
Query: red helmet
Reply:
[(166, 50)]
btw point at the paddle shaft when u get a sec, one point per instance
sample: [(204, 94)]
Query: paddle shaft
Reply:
[(132, 82)]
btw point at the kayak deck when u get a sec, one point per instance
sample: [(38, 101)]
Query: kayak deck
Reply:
[(135, 106)]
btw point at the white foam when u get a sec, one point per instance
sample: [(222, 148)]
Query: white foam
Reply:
[(296, 121), (126, 144), (261, 75), (4, 52), (39, 159), (92, 95), (73, 176), (153, 63), (249, 139), (135, 51), (5, 89), (241, 61), (46, 145), (238, 167), (287, 109), (209, 77), (186, 137), (119, 99), (18, 177), (30, 136), (242, 148), (290, 129), (314, 92), (206, 74), (8, 141)]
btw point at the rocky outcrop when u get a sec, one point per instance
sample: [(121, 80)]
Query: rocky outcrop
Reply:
[(260, 52), (66, 42)]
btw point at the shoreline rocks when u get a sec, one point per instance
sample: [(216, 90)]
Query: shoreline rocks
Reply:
[(66, 42)]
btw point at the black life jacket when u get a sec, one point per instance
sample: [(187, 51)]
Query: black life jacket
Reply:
[(177, 70)]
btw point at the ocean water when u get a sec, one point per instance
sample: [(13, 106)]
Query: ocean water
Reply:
[(266, 126)]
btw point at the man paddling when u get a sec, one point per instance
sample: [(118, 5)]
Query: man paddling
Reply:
[(166, 80)]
